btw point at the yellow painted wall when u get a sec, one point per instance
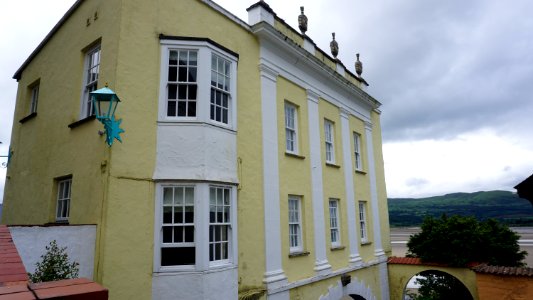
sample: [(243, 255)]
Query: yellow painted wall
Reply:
[(80, 152), (294, 36), (138, 84), (333, 183), (362, 188), (399, 276), (295, 179)]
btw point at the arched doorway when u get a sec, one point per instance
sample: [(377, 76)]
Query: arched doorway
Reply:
[(436, 285)]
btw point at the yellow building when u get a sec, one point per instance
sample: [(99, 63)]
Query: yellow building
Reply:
[(265, 182)]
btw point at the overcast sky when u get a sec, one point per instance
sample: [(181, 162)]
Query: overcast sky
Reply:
[(455, 79)]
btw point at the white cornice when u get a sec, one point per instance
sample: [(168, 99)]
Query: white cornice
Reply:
[(269, 33)]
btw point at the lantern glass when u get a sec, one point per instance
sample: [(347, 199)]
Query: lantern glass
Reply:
[(105, 108)]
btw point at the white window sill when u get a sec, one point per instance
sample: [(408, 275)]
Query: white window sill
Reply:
[(295, 155), (332, 164), (184, 122), (184, 271), (299, 253)]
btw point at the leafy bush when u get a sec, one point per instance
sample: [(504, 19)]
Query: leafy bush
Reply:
[(55, 265), (458, 240)]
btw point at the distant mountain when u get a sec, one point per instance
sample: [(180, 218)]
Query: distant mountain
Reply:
[(0, 211), (504, 206)]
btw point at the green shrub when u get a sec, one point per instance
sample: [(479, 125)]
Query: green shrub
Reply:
[(55, 265)]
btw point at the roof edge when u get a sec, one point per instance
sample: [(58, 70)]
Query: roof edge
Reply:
[(49, 36)]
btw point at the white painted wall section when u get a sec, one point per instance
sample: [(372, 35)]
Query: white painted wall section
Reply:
[(79, 240), (274, 275), (322, 265), (211, 285), (196, 151)]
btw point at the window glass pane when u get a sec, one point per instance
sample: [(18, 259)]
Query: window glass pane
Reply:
[(172, 88), (193, 58), (189, 195), (191, 109), (183, 58), (178, 214), (189, 234), (192, 74), (178, 256), (189, 214), (212, 196), (212, 213), (167, 196), (172, 74), (171, 109), (173, 58), (182, 74), (182, 105), (226, 214), (167, 234), (178, 196), (226, 196), (178, 234), (192, 91), (167, 214)]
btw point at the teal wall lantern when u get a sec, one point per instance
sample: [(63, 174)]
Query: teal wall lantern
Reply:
[(105, 103)]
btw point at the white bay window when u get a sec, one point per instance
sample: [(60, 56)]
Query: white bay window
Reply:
[(194, 226), (198, 82)]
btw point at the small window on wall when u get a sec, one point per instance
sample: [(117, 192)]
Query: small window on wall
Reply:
[(291, 128), (34, 98), (328, 137), (295, 224), (362, 222), (357, 151), (334, 222), (64, 188), (91, 76)]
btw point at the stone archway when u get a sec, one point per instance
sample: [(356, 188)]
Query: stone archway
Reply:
[(354, 290), (435, 283)]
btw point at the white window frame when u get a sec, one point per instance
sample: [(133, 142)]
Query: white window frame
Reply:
[(201, 227), (206, 51), (334, 222), (90, 84), (34, 98), (182, 82), (295, 225), (363, 222), (184, 224), (216, 203), (64, 195), (357, 151), (329, 140), (291, 130), (221, 77)]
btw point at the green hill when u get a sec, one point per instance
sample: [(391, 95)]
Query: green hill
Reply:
[(504, 206)]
